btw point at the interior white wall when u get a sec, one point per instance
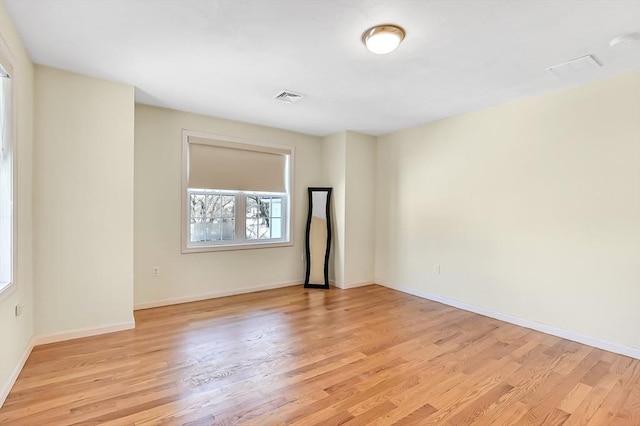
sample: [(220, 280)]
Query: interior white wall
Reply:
[(83, 202), (334, 169), (531, 209), (158, 207), (16, 332), (360, 209)]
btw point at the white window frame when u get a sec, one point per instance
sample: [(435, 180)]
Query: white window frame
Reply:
[(8, 63), (240, 242)]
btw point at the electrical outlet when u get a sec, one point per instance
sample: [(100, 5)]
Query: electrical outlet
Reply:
[(155, 271), (436, 269), (19, 308)]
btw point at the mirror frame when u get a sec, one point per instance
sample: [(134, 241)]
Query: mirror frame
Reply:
[(307, 284)]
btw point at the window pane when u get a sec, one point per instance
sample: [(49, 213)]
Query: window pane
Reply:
[(216, 207), (6, 183), (276, 207), (228, 229), (209, 204), (252, 228), (197, 205), (263, 228), (263, 231), (276, 228), (265, 206), (263, 222), (213, 230), (198, 228), (228, 206), (252, 206)]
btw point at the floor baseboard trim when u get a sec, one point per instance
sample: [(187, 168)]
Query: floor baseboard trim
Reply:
[(358, 284), (344, 286), (214, 295), (544, 328), (83, 332), (4, 392)]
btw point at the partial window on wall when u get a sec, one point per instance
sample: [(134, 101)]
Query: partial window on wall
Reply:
[(7, 207), (236, 194)]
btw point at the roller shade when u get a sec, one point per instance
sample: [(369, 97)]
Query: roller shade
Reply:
[(236, 167)]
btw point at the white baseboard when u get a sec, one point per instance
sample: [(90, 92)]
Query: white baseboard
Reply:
[(358, 284), (4, 391), (545, 328), (345, 286), (83, 332), (214, 295)]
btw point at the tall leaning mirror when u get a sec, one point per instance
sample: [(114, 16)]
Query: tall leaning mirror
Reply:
[(318, 238)]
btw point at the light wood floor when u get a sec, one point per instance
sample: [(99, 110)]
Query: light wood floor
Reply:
[(365, 356)]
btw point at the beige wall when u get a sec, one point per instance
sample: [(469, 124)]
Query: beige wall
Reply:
[(334, 164), (349, 167), (158, 205), (360, 209), (532, 209), (16, 332), (83, 201)]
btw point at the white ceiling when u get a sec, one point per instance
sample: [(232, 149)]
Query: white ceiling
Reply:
[(229, 58)]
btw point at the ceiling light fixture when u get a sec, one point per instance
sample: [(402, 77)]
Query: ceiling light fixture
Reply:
[(625, 39), (383, 39)]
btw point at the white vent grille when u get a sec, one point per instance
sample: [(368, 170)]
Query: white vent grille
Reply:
[(583, 66), (288, 97)]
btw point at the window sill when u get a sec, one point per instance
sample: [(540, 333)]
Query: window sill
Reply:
[(231, 247)]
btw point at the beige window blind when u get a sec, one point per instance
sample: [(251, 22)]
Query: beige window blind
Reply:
[(236, 167)]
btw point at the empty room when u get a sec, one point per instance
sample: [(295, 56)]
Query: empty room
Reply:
[(320, 212)]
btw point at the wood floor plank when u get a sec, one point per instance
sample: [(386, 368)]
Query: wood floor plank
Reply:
[(574, 398), (611, 405), (293, 356)]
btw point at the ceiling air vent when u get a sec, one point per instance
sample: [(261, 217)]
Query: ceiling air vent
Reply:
[(585, 65), (288, 97)]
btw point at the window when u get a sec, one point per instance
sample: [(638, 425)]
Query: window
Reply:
[(212, 217), (236, 193), (264, 217), (7, 207)]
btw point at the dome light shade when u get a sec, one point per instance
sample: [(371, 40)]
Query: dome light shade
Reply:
[(383, 39), (625, 39)]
